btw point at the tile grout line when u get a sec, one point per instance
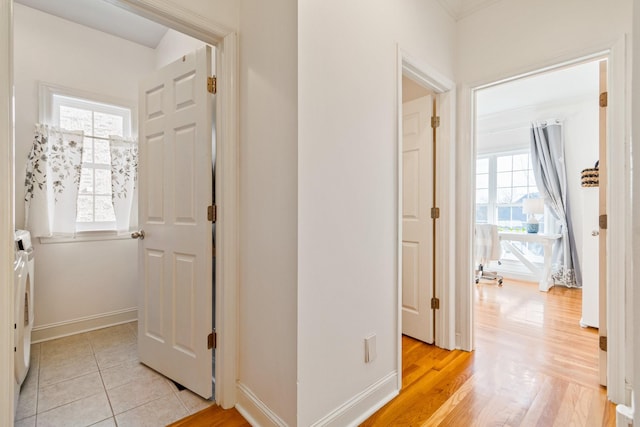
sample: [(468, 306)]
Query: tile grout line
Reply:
[(104, 386), (38, 381)]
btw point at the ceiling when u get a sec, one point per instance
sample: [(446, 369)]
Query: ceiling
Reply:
[(572, 83), (103, 16), (458, 9)]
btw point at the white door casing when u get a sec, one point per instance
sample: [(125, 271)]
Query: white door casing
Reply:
[(602, 236), (175, 189), (417, 225)]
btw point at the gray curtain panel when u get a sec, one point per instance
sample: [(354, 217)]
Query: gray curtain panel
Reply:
[(547, 158)]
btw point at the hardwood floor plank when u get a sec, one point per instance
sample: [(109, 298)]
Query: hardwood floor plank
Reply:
[(533, 366), (213, 416)]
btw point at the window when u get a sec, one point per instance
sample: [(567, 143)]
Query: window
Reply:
[(503, 181), (99, 120)]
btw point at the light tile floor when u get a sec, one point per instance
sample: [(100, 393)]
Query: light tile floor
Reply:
[(95, 379)]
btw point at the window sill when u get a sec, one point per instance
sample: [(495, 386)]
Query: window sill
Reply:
[(86, 236)]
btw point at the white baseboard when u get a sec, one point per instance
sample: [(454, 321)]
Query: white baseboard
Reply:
[(363, 405), (255, 411), (76, 326)]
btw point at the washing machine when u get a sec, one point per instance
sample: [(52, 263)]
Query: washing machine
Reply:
[(23, 267), (21, 328), (23, 243)]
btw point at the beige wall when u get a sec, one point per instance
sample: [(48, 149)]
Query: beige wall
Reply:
[(268, 205), (347, 154), (70, 283)]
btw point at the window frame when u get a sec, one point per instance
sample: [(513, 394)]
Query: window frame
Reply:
[(492, 204), (77, 98)]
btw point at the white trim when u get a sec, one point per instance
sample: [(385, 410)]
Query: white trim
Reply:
[(256, 411), (363, 405), (619, 282), (46, 91), (85, 236), (83, 324), (6, 213), (427, 76), (227, 227), (619, 214), (634, 319), (227, 268), (171, 15)]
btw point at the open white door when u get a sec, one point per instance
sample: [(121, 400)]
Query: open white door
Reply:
[(417, 225), (602, 210), (175, 246)]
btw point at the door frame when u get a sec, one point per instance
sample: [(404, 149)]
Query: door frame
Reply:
[(619, 274), (227, 199), (227, 268), (6, 212), (445, 91)]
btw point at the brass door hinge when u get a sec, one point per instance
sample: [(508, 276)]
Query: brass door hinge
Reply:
[(212, 84), (435, 213), (603, 343), (212, 340), (435, 303), (212, 213), (435, 121), (602, 221), (604, 99)]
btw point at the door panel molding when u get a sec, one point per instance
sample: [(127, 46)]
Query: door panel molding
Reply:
[(225, 40)]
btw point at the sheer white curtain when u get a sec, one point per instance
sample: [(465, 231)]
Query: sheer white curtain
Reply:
[(52, 181), (124, 166)]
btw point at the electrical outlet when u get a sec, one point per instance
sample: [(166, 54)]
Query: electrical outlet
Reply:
[(370, 348)]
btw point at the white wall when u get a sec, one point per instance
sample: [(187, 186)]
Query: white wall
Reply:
[(70, 277), (347, 154), (268, 205), (512, 36), (174, 45)]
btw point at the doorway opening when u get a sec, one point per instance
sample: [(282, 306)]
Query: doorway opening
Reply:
[(515, 198), (425, 181), (226, 160)]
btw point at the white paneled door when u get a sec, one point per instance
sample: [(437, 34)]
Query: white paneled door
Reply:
[(417, 225), (175, 251)]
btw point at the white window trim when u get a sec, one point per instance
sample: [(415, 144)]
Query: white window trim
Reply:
[(493, 176), (46, 92)]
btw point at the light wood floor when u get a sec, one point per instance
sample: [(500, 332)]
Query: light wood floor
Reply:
[(533, 366)]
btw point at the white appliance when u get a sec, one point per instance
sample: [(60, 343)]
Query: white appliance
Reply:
[(590, 261), (22, 329), (23, 305)]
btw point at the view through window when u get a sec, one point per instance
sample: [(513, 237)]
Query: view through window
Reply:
[(503, 182), (98, 121)]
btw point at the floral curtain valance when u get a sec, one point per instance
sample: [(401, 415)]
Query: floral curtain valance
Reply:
[(124, 166), (52, 181)]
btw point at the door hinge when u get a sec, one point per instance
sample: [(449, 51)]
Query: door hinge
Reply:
[(212, 340), (435, 213), (212, 213), (604, 99), (602, 221), (603, 343), (435, 121), (212, 84), (435, 303)]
